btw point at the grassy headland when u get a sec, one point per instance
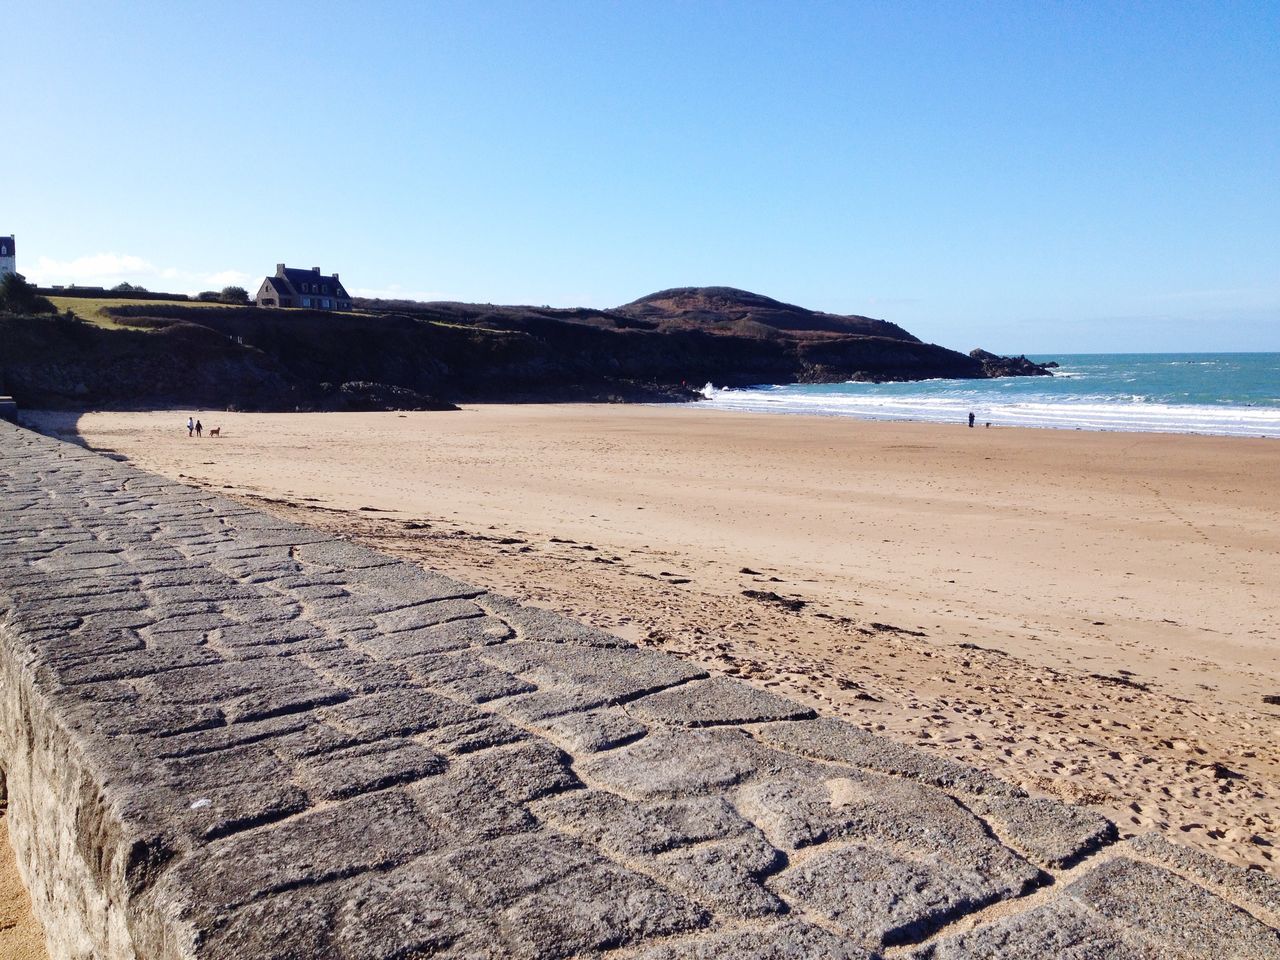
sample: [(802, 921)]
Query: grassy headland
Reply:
[(138, 353)]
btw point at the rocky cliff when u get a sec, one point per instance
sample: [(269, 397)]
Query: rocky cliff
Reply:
[(422, 356)]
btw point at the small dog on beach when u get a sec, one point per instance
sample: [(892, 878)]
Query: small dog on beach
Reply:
[(215, 431)]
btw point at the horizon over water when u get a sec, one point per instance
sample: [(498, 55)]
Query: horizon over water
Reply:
[(1222, 394)]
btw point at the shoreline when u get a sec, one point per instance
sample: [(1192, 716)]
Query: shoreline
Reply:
[(946, 593), (940, 422)]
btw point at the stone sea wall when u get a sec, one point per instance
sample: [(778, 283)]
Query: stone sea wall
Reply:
[(224, 735)]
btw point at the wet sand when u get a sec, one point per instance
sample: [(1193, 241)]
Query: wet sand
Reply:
[(1095, 616)]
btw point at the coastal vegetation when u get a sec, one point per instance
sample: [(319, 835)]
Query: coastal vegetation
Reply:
[(141, 352), (19, 296)]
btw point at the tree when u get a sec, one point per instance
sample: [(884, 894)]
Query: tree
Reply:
[(208, 296), (18, 296), (234, 295), (128, 288)]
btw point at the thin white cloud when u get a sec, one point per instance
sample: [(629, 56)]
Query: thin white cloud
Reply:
[(228, 278), (109, 269), (397, 292), (90, 270)]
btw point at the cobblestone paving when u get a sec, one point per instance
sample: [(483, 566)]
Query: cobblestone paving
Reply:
[(275, 744)]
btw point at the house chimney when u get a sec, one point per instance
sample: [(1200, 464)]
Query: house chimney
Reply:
[(315, 269), (279, 269), (335, 276)]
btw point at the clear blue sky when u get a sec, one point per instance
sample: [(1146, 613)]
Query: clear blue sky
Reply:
[(1022, 176)]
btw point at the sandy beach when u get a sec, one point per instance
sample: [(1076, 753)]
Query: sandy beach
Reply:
[(1095, 616)]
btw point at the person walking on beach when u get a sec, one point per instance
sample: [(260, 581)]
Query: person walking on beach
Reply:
[(970, 421), (191, 426), (199, 427)]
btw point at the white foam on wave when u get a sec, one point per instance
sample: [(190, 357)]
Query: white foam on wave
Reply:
[(1136, 413)]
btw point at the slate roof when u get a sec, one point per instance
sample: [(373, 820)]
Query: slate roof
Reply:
[(298, 276), (279, 286)]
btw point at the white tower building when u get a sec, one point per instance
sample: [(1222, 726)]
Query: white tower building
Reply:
[(8, 257)]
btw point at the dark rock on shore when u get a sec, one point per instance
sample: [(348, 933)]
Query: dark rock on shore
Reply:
[(994, 365), (363, 395)]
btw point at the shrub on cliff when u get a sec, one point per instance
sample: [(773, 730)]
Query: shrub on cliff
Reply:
[(18, 296)]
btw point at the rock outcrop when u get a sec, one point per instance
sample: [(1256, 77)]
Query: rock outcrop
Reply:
[(430, 356), (994, 365), (225, 735)]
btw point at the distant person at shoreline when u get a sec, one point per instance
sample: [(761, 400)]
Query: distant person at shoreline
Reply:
[(970, 421), (191, 426), (200, 428)]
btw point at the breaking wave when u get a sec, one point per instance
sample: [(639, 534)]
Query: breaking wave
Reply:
[(1226, 395)]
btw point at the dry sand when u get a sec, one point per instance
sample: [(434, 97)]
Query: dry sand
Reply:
[(20, 936), (1095, 616)]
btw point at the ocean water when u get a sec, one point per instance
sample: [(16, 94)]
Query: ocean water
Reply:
[(1229, 394)]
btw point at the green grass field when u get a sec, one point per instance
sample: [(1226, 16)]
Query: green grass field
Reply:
[(90, 309)]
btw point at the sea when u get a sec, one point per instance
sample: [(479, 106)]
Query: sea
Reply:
[(1224, 394)]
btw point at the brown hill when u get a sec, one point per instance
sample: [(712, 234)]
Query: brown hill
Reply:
[(735, 310)]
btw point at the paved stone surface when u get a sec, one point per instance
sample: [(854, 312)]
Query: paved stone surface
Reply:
[(227, 736)]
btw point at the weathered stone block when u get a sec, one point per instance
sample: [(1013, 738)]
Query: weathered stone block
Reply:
[(1052, 834), (441, 638), (542, 706), (358, 672), (716, 702), (726, 876), (266, 634), (1060, 930), (135, 664), (466, 809), (272, 703), (521, 772), (878, 899), (221, 737), (588, 732), (427, 615), (358, 835), (1175, 916), (463, 675), (686, 762), (595, 908), (883, 813), (789, 940), (409, 912), (1255, 888), (369, 766), (827, 738), (611, 673), (221, 681), (533, 623), (398, 713), (624, 828), (221, 792), (482, 733)]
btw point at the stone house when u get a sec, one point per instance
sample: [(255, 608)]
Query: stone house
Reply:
[(295, 287)]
